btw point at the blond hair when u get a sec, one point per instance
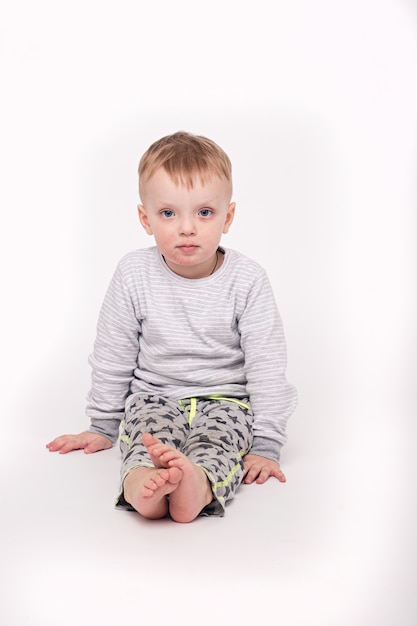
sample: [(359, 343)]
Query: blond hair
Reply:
[(185, 157)]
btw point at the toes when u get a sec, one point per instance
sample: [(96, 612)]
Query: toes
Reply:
[(168, 455), (148, 439), (156, 449), (159, 479), (175, 475)]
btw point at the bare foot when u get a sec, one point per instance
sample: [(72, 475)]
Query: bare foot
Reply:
[(193, 491), (146, 488)]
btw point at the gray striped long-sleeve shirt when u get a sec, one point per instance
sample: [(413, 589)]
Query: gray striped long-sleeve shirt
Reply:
[(159, 333)]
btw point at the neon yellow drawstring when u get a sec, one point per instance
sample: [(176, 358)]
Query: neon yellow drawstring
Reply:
[(192, 411)]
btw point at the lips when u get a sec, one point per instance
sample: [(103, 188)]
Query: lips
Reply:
[(186, 248)]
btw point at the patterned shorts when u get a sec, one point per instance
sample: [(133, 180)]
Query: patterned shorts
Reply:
[(214, 432)]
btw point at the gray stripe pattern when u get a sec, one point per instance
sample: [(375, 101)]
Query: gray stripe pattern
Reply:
[(161, 334)]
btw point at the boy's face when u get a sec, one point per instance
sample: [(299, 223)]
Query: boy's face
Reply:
[(187, 223)]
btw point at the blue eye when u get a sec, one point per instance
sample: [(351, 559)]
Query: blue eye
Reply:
[(205, 212), (167, 213)]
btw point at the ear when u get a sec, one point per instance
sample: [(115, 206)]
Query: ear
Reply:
[(229, 217), (143, 218)]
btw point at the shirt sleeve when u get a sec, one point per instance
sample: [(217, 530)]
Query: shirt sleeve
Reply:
[(114, 358), (272, 398)]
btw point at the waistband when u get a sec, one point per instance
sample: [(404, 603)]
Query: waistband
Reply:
[(192, 402)]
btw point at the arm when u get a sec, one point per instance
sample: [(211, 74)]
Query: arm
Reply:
[(272, 398), (115, 355), (113, 362)]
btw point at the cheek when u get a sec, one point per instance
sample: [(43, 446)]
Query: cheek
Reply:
[(163, 236)]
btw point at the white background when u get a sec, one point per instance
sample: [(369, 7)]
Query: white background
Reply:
[(316, 105)]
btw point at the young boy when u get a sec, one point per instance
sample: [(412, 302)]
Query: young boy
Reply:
[(190, 354)]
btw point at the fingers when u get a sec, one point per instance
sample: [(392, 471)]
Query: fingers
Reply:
[(261, 475), (68, 446), (280, 476), (260, 469), (62, 444), (252, 474), (97, 444), (90, 442)]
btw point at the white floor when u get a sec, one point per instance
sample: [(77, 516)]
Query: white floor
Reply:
[(335, 546), (315, 103)]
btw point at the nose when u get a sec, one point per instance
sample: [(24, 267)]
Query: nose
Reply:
[(187, 226)]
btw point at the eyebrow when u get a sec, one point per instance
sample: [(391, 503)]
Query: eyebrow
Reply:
[(205, 203)]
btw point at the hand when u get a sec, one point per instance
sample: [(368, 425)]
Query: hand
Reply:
[(259, 469), (89, 442)]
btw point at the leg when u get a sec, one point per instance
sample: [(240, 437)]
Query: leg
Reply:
[(193, 491), (165, 417), (220, 435)]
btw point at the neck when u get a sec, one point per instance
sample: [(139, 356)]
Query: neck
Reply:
[(216, 265)]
